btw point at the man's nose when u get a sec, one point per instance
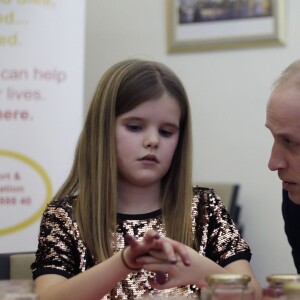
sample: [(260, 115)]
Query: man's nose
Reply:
[(277, 159)]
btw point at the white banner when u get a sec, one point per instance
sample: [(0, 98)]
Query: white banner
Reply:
[(41, 109)]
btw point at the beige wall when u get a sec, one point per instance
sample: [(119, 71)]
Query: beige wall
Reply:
[(228, 91)]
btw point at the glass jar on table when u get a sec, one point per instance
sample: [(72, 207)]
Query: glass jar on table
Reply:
[(227, 287), (275, 290), (292, 290), (17, 290)]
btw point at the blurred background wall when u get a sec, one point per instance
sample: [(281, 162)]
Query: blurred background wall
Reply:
[(228, 91)]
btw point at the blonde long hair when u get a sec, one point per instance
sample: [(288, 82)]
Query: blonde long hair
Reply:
[(93, 177)]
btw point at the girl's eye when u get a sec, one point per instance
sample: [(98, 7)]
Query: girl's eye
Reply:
[(134, 127), (165, 133)]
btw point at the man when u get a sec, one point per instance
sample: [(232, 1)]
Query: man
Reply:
[(283, 120)]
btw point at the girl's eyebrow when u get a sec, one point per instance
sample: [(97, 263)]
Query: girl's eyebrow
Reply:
[(132, 118)]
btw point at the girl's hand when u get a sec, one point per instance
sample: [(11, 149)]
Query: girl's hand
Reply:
[(170, 249), (170, 275), (177, 265)]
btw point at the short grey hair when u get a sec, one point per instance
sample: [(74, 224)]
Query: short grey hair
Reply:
[(290, 76)]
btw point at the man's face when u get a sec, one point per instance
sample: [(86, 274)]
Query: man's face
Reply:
[(283, 120)]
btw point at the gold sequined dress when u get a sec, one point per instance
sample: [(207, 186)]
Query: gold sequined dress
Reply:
[(61, 250)]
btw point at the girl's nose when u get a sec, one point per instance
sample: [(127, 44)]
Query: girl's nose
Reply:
[(151, 140)]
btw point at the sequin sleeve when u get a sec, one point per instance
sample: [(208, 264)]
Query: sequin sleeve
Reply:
[(220, 240), (60, 249)]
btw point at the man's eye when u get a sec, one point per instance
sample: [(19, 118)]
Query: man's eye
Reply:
[(133, 127), (289, 143), (165, 133)]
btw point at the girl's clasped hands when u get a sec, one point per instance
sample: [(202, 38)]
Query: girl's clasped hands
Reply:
[(167, 258)]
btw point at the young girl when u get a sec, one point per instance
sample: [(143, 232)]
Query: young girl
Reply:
[(127, 223)]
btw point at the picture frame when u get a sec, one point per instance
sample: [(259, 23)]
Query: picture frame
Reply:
[(205, 25)]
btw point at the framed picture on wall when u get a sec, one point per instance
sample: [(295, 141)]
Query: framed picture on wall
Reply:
[(203, 25)]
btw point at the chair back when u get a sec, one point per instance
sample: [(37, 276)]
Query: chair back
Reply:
[(16, 265)]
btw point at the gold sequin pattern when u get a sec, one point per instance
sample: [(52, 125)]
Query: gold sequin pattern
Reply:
[(62, 251)]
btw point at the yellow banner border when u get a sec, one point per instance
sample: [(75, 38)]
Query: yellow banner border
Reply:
[(46, 181)]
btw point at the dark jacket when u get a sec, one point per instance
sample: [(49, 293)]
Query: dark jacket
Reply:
[(291, 216)]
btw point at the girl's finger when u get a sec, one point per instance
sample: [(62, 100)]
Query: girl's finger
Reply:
[(181, 250), (169, 251), (130, 240), (161, 277), (154, 257), (159, 254), (163, 283), (151, 235)]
